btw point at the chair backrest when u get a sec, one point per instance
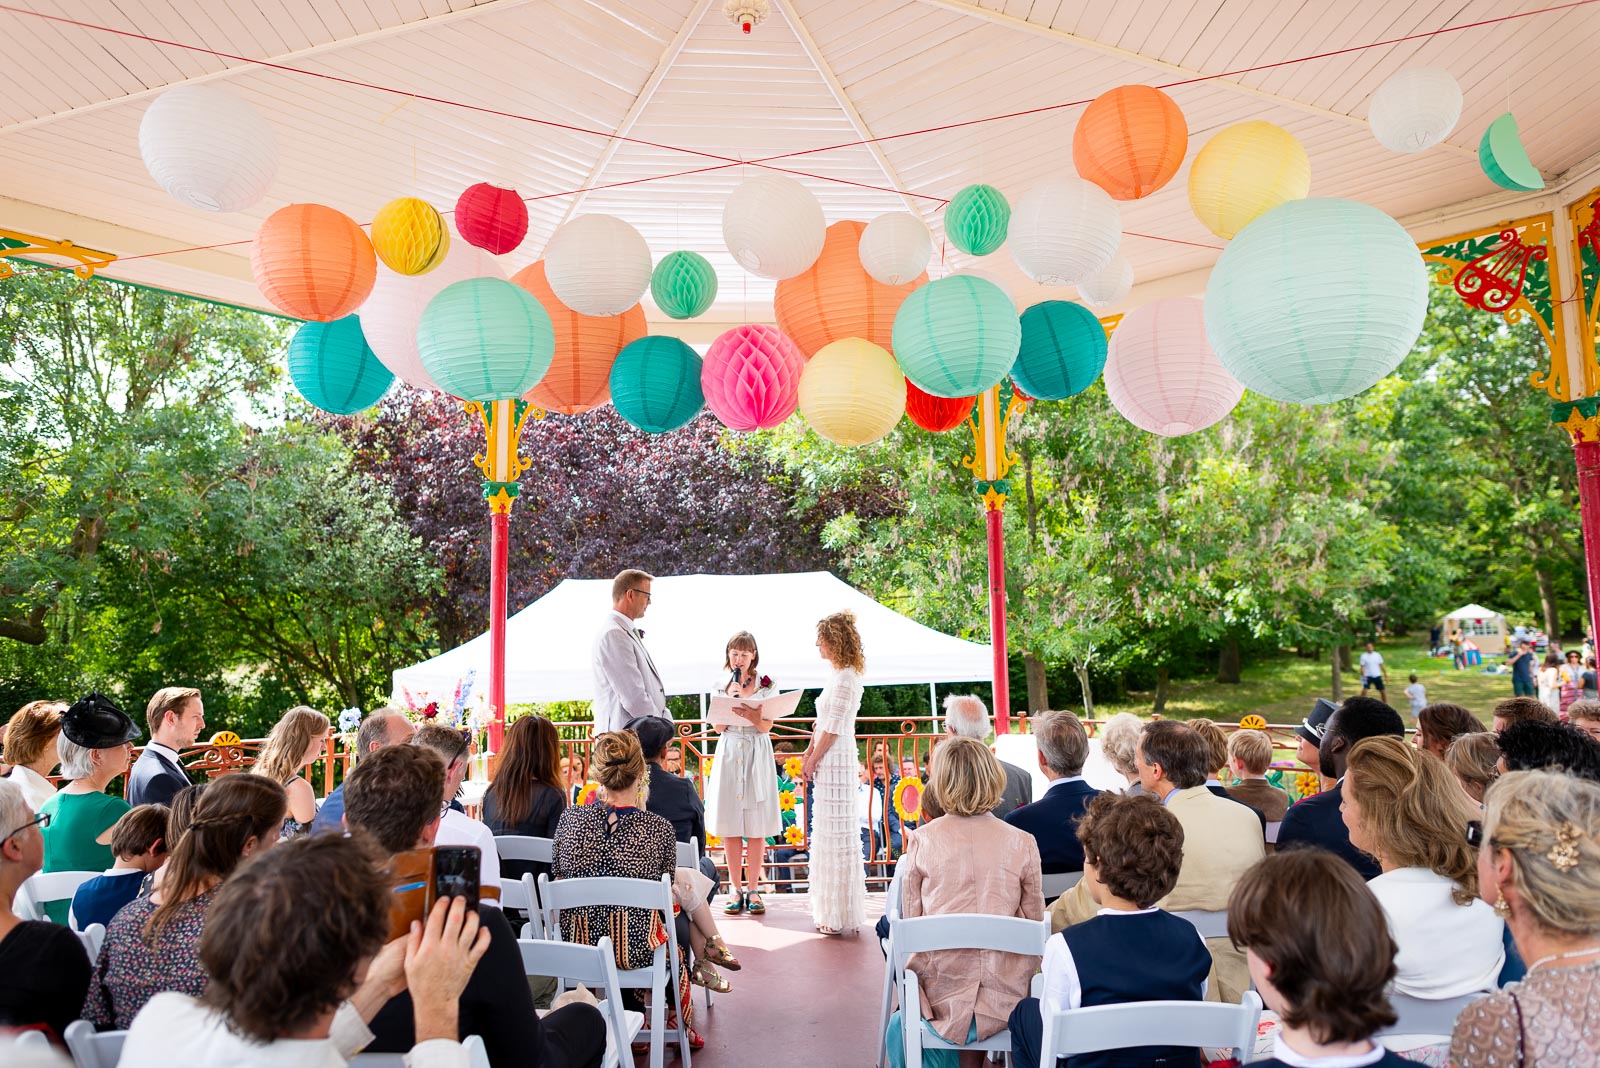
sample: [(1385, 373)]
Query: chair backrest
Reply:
[(477, 1056), (41, 888), (93, 937), (891, 905), (1419, 1016), (525, 847), (594, 966), (91, 1048), (1152, 1023), (519, 894), (558, 894), (1056, 885), (1272, 832), (689, 854), (1209, 924), (967, 930), (32, 1042)]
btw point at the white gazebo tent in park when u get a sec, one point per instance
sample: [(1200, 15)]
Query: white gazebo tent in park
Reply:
[(1485, 626)]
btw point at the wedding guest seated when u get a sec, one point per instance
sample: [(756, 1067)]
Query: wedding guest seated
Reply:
[(1130, 950), (382, 727), (456, 828), (1216, 740), (1539, 863), (139, 842), (1053, 819), (30, 749), (528, 794), (95, 746), (153, 944), (1530, 745), (1441, 723), (1474, 759), (1315, 821), (43, 968), (298, 965), (1119, 741), (966, 716), (1584, 715), (1321, 957), (296, 741), (967, 861), (1250, 758), (1513, 709)]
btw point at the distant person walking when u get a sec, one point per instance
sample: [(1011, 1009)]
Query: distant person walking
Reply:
[(1417, 694), (1550, 682), (1521, 664), (1373, 671), (1458, 649)]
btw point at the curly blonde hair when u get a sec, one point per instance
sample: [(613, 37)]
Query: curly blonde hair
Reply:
[(1525, 813), (844, 641)]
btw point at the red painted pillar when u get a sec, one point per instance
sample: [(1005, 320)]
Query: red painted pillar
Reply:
[(1587, 454), (499, 536), (997, 617)]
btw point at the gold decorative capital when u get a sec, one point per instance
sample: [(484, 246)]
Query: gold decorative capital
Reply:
[(88, 260)]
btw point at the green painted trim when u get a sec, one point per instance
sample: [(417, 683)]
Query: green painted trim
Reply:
[(1588, 407), (156, 289)]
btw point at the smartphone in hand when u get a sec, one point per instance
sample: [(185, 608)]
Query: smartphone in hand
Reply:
[(456, 873)]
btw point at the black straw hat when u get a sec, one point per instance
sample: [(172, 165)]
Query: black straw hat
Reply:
[(1311, 728), (95, 722)]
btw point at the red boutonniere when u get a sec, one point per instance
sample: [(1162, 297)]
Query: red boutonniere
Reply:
[(766, 680), (431, 710)]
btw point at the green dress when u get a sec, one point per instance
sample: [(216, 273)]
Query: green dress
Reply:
[(76, 820)]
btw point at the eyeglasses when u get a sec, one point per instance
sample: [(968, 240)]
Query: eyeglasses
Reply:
[(42, 819), (636, 589), (1475, 833)]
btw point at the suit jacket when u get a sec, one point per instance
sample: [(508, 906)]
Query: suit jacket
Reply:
[(1222, 791), (1053, 822), (674, 799), (154, 779), (1019, 791), (1221, 841), (626, 683), (1261, 795), (1315, 821)]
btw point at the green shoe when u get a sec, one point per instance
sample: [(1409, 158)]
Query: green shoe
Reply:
[(754, 904), (734, 906)]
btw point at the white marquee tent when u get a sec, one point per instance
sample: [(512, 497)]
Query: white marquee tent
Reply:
[(690, 618), (1485, 626)]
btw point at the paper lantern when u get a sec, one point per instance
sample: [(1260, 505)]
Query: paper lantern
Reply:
[(492, 218), (773, 226), (852, 393), (312, 262), (598, 265), (937, 414), (332, 367), (1161, 373), (410, 236), (1109, 284), (1130, 141), (1247, 169), (684, 284), (655, 384), (485, 339), (1315, 329), (1063, 230), (579, 377), (957, 337), (1414, 109), (1504, 160), (751, 377), (977, 220), (896, 247), (836, 298), (208, 148), (1062, 352), (993, 279)]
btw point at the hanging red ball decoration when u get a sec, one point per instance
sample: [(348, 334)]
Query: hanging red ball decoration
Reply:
[(937, 414), (491, 218)]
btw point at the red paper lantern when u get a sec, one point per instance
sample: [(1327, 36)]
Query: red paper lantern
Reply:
[(1130, 141), (586, 346), (836, 298), (491, 218), (937, 414)]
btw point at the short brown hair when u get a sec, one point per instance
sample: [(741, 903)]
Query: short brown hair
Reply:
[(1216, 744), (1443, 722), (167, 699), (450, 744), (393, 794), (1135, 845), (844, 641), (140, 828), (1062, 741), (326, 898), (1181, 752), (1308, 915), (966, 776), (1585, 709), (628, 580), (374, 730), (1512, 709), (31, 729), (1252, 749)]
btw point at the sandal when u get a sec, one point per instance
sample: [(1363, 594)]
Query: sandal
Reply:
[(717, 952), (754, 905), (735, 905), (829, 930), (702, 974)]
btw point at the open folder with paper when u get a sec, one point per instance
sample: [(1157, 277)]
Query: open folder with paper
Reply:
[(776, 706)]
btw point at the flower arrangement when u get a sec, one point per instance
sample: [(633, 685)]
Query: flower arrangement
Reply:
[(349, 720), (467, 710), (908, 799)]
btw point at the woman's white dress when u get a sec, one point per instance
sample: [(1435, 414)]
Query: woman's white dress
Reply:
[(742, 794), (838, 882)]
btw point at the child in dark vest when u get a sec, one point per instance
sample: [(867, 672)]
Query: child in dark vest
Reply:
[(1319, 952), (1131, 950)]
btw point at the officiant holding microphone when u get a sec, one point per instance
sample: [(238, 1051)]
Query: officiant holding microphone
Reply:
[(742, 794)]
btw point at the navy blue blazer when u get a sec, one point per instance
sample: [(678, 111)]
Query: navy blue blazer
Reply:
[(674, 799), (1053, 822), (153, 781), (1315, 821)]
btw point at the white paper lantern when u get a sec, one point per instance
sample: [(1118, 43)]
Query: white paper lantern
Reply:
[(896, 247), (208, 148), (993, 279), (598, 265), (1109, 284), (1415, 109), (1161, 373), (773, 226), (1063, 230)]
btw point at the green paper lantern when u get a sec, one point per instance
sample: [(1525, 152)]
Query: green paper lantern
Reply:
[(333, 367), (1504, 160), (957, 337), (684, 284), (1063, 350), (485, 339), (655, 384), (976, 220)]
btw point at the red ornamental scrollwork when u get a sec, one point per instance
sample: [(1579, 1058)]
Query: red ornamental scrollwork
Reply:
[(1590, 234), (1493, 282)]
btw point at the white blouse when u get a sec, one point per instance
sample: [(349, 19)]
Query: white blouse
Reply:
[(1446, 950)]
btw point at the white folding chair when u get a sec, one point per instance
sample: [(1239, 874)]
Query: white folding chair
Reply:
[(477, 1056), (1272, 832), (1069, 1032), (1418, 1016), (520, 894), (964, 930), (891, 910), (662, 975), (526, 848), (1209, 924), (1056, 885), (93, 937), (91, 1048), (45, 887), (31, 1042), (689, 854), (596, 968)]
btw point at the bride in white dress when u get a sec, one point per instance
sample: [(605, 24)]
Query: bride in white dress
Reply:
[(838, 882)]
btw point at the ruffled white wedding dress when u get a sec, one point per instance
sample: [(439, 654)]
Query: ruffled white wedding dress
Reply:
[(838, 882)]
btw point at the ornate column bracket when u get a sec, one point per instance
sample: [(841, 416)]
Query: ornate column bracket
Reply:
[(1579, 418), (991, 460), (16, 243), (502, 465)]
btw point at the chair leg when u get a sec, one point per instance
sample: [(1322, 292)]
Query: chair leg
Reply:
[(885, 1009), (658, 1026)]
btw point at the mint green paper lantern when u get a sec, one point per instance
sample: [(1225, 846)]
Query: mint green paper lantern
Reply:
[(1316, 300), (1063, 350), (485, 339), (333, 367), (684, 284), (957, 337), (655, 384), (976, 220)]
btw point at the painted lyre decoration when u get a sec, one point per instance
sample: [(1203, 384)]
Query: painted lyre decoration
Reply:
[(1494, 281), (500, 461), (14, 243), (991, 461)]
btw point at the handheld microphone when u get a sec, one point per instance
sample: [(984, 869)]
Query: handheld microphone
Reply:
[(734, 679)]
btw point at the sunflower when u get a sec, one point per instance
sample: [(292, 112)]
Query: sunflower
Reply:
[(794, 835), (712, 841), (793, 767), (786, 801), (1307, 784), (909, 809), (587, 796)]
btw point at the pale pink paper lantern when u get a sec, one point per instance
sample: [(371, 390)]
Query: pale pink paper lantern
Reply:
[(751, 377), (1161, 373)]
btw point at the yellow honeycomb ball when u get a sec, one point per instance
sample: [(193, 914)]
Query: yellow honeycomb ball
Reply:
[(410, 236)]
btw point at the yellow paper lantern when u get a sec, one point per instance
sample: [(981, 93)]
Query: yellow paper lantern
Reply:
[(852, 392), (1247, 169), (409, 236)]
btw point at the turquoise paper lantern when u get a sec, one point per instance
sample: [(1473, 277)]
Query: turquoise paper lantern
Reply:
[(684, 284), (485, 339), (1316, 300), (333, 367), (655, 384), (1063, 350), (957, 337), (976, 220)]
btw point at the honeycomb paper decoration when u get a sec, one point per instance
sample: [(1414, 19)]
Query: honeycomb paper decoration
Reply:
[(410, 236), (976, 220), (684, 285), (751, 377)]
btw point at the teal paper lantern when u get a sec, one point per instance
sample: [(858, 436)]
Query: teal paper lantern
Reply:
[(684, 284), (957, 337), (976, 220), (1316, 300), (1063, 350), (333, 367), (655, 384), (485, 339)]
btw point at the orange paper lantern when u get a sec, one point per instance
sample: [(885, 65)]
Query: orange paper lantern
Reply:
[(586, 346), (313, 262), (1130, 141), (836, 298)]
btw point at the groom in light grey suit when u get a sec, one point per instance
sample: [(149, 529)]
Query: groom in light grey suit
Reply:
[(626, 683)]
